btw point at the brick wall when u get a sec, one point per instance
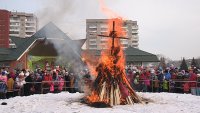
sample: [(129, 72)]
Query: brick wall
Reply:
[(4, 28), (20, 64)]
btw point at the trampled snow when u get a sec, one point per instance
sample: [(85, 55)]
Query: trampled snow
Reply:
[(70, 103)]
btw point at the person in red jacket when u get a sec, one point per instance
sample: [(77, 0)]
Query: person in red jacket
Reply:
[(47, 82), (193, 77)]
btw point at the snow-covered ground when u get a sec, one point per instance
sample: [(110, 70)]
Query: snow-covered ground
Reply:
[(70, 103)]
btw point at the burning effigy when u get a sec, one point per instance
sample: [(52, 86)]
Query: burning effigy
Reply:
[(111, 86)]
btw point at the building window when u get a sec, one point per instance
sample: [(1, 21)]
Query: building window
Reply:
[(14, 32), (92, 41), (134, 41), (93, 46)]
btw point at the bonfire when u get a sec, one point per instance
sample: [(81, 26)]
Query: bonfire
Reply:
[(111, 86)]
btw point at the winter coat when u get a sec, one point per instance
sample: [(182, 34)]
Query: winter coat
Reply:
[(173, 76), (20, 81), (3, 78), (165, 85), (124, 90), (156, 83), (167, 76), (160, 77), (147, 82), (142, 77), (130, 77), (193, 77), (49, 79), (186, 87), (10, 84), (136, 80), (61, 84)]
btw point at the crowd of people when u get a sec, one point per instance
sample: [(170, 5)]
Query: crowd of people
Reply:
[(145, 79), (25, 82), (157, 79)]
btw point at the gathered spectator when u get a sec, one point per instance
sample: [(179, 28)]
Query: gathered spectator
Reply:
[(72, 80), (193, 77), (61, 83), (130, 76), (55, 81), (67, 79), (167, 75), (160, 78), (47, 82), (3, 85), (29, 86), (10, 86), (3, 77), (186, 88), (20, 80), (19, 83), (156, 84), (136, 84), (165, 86)]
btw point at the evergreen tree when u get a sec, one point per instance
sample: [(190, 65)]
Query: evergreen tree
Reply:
[(194, 63), (183, 65)]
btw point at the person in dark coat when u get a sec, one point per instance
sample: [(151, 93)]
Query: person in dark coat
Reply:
[(67, 79), (29, 86), (160, 78)]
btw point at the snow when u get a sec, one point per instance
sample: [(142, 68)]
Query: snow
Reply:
[(70, 103)]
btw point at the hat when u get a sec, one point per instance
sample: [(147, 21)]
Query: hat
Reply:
[(152, 71), (22, 74), (3, 73)]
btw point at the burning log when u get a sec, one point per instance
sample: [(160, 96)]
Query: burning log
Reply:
[(112, 86)]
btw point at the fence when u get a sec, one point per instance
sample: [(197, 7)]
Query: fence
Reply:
[(178, 84), (175, 88), (43, 88)]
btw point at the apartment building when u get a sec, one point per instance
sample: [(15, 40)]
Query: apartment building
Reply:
[(100, 26), (22, 24)]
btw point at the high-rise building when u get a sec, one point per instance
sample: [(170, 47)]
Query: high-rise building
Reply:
[(4, 28), (22, 24), (100, 26)]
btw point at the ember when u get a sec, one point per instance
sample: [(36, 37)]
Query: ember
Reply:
[(111, 85)]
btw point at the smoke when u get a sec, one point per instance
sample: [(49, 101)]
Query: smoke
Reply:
[(69, 15)]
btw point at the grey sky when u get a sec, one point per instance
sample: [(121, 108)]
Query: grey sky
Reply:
[(168, 27)]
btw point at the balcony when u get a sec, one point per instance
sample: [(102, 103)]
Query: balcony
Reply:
[(14, 25), (30, 26), (13, 34), (30, 30), (92, 39), (135, 39), (15, 30), (104, 31), (33, 22), (134, 32), (135, 27), (135, 44), (28, 35), (93, 43), (93, 31), (11, 20)]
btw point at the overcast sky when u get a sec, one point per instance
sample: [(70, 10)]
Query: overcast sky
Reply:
[(167, 27)]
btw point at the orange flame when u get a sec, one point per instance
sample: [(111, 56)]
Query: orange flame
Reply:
[(93, 97), (106, 59)]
